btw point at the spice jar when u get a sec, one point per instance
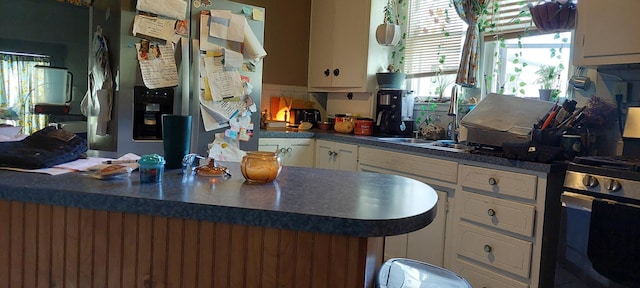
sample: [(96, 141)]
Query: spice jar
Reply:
[(260, 166)]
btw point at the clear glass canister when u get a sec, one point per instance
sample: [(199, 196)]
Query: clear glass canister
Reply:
[(260, 166)]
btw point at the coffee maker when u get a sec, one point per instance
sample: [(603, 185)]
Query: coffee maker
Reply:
[(394, 110)]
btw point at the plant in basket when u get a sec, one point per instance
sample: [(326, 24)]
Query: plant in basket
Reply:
[(554, 15)]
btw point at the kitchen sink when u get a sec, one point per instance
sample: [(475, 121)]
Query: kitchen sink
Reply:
[(405, 140)]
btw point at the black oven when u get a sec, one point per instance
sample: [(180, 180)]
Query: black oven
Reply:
[(599, 243)]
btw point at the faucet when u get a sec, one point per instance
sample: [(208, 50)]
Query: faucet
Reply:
[(453, 112)]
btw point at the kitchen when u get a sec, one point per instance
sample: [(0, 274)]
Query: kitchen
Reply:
[(285, 74)]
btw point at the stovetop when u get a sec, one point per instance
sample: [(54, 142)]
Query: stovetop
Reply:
[(605, 177), (617, 167)]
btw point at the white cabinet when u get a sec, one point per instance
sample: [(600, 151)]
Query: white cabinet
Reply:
[(606, 33), (343, 53), (427, 244), (293, 151), (497, 227), (338, 156)]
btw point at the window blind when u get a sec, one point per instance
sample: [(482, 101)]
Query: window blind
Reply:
[(510, 19), (434, 30)]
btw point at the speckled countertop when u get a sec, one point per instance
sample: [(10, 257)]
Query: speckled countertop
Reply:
[(305, 199), (453, 154)]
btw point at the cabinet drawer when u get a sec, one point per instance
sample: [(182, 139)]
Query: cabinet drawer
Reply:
[(494, 249), (438, 169), (479, 277), (499, 182), (499, 213)]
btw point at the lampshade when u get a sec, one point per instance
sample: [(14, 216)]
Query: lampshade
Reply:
[(388, 34)]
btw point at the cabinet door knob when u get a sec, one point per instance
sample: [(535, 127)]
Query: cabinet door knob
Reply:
[(282, 150), (487, 248), (336, 72), (289, 150), (326, 72), (491, 212), (493, 181)]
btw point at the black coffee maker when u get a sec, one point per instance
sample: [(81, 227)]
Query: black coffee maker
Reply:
[(394, 113)]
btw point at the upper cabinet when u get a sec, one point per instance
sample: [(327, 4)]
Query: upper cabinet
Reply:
[(343, 53), (606, 33)]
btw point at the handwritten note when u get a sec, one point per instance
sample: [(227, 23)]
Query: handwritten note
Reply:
[(154, 27), (159, 70), (223, 84)]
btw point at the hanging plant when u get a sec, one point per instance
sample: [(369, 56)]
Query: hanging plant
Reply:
[(554, 15), (389, 32)]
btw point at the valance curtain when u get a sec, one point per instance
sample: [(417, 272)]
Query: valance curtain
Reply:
[(468, 10), (18, 80)]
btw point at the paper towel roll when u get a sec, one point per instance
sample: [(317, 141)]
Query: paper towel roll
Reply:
[(252, 47)]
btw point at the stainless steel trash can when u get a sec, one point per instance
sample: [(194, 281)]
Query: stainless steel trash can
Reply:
[(407, 273)]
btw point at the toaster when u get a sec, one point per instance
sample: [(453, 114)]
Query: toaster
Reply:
[(296, 116)]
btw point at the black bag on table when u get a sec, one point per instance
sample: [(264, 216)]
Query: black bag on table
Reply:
[(43, 149)]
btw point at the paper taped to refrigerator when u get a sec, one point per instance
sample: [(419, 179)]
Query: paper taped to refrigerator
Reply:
[(225, 25), (176, 9)]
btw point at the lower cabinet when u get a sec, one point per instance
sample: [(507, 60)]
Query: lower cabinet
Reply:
[(293, 151), (335, 155), (497, 227), (427, 244)]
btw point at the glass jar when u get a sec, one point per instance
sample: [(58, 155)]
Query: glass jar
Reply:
[(260, 166)]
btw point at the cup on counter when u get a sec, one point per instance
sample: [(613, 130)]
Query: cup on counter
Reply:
[(176, 138), (151, 168), (571, 145)]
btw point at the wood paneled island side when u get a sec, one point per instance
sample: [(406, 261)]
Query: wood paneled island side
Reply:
[(309, 228)]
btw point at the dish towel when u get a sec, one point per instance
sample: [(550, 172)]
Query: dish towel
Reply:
[(614, 241)]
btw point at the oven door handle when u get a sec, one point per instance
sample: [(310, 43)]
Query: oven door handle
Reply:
[(576, 201)]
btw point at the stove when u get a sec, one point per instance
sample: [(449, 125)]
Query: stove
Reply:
[(613, 178)]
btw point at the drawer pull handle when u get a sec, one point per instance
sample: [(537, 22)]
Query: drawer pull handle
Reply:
[(282, 150), (289, 150), (493, 181), (491, 212), (487, 248)]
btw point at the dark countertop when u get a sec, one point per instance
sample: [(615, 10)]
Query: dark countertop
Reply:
[(453, 154), (307, 199)]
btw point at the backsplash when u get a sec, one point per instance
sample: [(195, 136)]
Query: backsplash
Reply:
[(294, 92), (605, 79)]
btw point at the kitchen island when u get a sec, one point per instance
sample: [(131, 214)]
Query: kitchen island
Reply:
[(309, 228)]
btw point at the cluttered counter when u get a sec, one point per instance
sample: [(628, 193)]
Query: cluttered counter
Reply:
[(86, 230)]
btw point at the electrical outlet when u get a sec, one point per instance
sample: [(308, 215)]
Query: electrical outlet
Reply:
[(620, 88)]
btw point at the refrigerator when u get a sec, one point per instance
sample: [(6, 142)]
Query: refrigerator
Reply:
[(114, 20), (200, 137)]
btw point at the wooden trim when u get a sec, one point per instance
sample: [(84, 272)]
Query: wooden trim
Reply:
[(55, 246)]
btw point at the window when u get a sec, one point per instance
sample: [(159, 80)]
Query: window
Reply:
[(18, 78), (516, 74), (435, 34), (512, 50)]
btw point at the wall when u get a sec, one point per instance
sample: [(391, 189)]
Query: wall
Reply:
[(286, 41), (604, 79), (64, 35)]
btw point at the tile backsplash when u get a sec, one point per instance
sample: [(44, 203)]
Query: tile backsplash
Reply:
[(294, 92)]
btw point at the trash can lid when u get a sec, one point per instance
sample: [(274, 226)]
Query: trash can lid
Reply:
[(399, 272)]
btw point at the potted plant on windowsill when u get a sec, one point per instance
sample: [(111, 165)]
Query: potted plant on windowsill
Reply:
[(549, 79)]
